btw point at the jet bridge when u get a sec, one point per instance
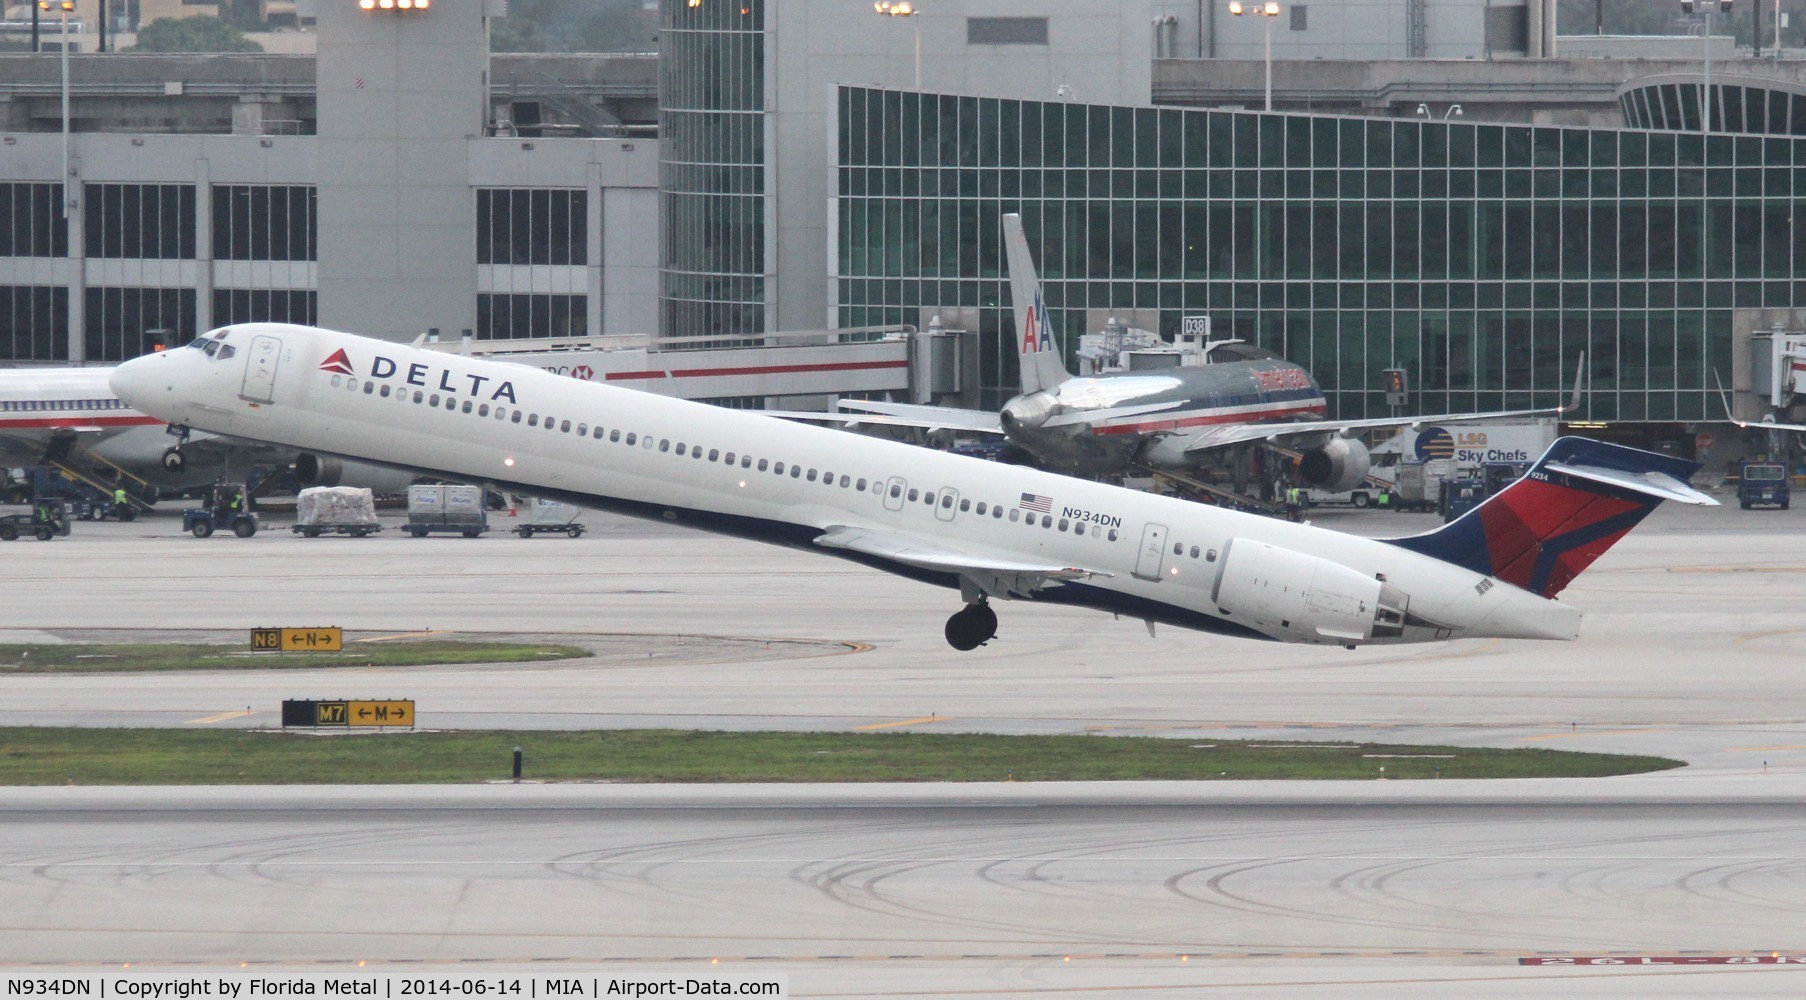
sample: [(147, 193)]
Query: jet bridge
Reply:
[(891, 359)]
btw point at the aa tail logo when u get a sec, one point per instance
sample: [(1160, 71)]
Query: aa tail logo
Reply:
[(1034, 329), (338, 363)]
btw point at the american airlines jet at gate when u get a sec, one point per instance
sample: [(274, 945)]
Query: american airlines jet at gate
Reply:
[(987, 529)]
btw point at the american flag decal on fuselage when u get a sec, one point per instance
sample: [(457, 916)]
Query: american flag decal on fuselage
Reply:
[(1037, 503)]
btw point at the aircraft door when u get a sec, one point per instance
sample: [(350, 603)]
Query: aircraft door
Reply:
[(893, 493), (1152, 558), (260, 369), (947, 504)]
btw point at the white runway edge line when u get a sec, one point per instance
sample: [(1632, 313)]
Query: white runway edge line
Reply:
[(201, 983)]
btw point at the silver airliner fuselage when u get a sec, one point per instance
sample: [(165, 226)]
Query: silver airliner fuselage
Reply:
[(991, 530)]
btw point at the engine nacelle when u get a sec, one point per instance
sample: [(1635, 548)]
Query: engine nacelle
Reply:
[(1337, 466), (324, 470), (1303, 598)]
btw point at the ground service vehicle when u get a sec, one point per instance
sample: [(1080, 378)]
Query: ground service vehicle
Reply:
[(457, 509), (551, 516), (48, 519), (335, 510), (1460, 496), (225, 508), (1763, 483)]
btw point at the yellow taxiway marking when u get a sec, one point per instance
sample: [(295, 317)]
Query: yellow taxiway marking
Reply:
[(1575, 736), (906, 722), (221, 717), (405, 635)]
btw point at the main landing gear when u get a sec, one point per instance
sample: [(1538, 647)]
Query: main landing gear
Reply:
[(972, 626)]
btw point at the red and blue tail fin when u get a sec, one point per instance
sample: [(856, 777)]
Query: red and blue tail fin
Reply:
[(1579, 498)]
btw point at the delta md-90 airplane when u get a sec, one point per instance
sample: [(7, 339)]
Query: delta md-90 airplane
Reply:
[(988, 530)]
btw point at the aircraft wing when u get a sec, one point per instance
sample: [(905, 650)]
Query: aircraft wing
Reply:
[(997, 577), (1228, 434), (910, 415)]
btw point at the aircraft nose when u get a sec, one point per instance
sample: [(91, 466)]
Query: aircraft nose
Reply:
[(126, 379)]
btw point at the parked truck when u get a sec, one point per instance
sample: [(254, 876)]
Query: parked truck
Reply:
[(1764, 484), (457, 509)]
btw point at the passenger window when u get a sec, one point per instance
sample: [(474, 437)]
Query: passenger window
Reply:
[(1209, 556), (997, 512), (614, 436), (696, 453), (912, 495), (796, 472), (632, 437), (369, 387), (946, 501), (483, 410), (434, 400), (812, 475), (1113, 534), (965, 505), (1063, 524), (928, 498), (583, 430), (713, 454), (746, 461), (777, 468), (860, 487), (1194, 552), (564, 426), (981, 508), (664, 444), (646, 442), (895, 492), (1015, 515), (597, 434), (533, 421), (680, 449), (417, 395), (384, 392), (1178, 548), (336, 380), (467, 407), (845, 481), (1046, 521)]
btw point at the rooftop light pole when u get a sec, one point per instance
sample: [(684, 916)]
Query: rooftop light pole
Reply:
[(1708, 8), (1268, 10), (903, 8), (63, 7)]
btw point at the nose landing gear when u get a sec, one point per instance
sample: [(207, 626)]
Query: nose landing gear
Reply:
[(174, 460), (972, 626)]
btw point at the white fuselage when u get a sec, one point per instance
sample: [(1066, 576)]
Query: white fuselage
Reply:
[(1151, 557)]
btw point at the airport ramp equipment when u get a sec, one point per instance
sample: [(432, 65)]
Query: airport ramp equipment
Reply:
[(335, 510)]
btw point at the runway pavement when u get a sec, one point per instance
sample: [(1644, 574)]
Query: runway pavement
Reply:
[(1692, 648)]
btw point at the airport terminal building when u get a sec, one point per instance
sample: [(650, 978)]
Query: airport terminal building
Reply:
[(816, 167)]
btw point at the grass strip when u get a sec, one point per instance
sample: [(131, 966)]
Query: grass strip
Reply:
[(42, 756), (46, 658)]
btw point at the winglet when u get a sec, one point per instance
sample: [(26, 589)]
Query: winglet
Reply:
[(1579, 498), (1580, 370), (1037, 350)]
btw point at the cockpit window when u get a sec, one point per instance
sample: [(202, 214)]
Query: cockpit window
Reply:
[(1238, 351), (211, 349), (226, 351)]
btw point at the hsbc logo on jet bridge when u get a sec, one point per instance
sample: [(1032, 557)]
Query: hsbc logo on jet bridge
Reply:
[(425, 376)]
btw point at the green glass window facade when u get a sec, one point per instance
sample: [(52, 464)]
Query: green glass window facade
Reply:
[(712, 167), (1483, 258)]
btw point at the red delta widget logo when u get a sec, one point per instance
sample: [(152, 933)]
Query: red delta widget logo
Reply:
[(477, 386)]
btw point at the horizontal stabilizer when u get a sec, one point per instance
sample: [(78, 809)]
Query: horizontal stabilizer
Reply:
[(1656, 484)]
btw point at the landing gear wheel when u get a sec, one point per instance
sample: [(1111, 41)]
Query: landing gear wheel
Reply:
[(174, 460), (971, 627)]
